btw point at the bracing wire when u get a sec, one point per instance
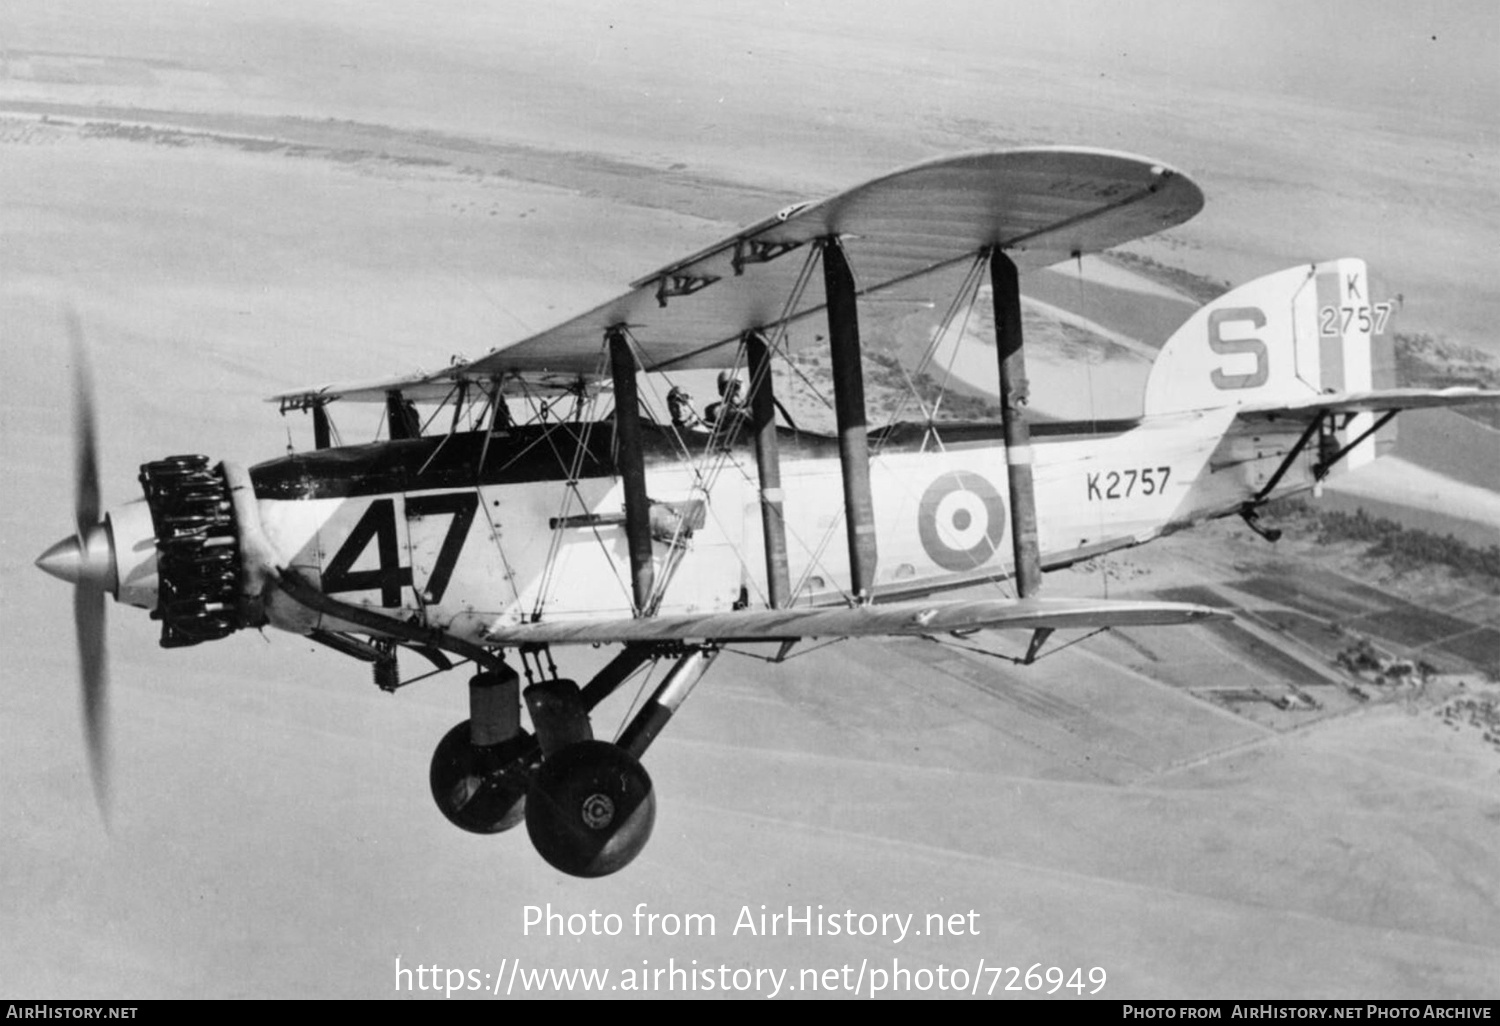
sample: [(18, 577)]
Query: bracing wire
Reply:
[(1006, 657), (719, 443), (963, 299), (574, 469), (778, 659), (707, 468), (645, 672)]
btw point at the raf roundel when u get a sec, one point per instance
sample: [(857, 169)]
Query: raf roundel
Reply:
[(961, 520)]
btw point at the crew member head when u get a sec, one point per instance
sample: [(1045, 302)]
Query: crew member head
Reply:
[(731, 386)]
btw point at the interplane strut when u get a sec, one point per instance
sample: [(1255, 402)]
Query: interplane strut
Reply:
[(632, 466), (849, 414), (1014, 389), (768, 467)]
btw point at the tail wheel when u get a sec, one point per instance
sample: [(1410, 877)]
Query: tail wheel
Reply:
[(590, 809), (482, 788)]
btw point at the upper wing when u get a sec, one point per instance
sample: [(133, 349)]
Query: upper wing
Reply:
[(1040, 205), (909, 618), (424, 386)]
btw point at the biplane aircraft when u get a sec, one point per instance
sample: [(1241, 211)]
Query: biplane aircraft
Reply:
[(539, 506)]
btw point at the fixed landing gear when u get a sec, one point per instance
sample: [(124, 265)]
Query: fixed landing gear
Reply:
[(481, 768), (589, 805)]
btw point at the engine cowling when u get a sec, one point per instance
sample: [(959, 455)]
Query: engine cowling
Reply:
[(198, 562)]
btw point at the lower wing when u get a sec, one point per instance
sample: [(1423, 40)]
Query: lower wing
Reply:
[(900, 618)]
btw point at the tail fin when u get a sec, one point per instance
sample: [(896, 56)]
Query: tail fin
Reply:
[(1306, 331)]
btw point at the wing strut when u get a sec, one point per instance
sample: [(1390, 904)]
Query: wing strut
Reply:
[(768, 468), (1014, 390), (1327, 463), (322, 433), (849, 412), (632, 465), (1286, 464)]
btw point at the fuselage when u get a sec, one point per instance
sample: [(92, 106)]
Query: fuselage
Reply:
[(466, 533)]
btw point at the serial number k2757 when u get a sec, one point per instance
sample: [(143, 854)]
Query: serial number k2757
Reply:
[(1104, 485)]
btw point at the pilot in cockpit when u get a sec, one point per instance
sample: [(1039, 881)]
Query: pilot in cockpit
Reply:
[(730, 408), (680, 406)]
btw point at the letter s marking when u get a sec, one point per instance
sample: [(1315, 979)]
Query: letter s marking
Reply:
[(1238, 346)]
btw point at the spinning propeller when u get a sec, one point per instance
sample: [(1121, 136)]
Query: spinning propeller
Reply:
[(87, 561)]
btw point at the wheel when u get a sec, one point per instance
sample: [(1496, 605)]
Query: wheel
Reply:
[(590, 809), (482, 788)]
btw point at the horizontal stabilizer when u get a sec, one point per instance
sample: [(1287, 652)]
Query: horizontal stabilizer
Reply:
[(1370, 402), (903, 618)]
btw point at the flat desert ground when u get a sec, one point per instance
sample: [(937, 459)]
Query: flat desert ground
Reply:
[(244, 199)]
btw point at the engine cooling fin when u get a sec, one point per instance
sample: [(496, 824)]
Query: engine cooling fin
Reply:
[(198, 552)]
